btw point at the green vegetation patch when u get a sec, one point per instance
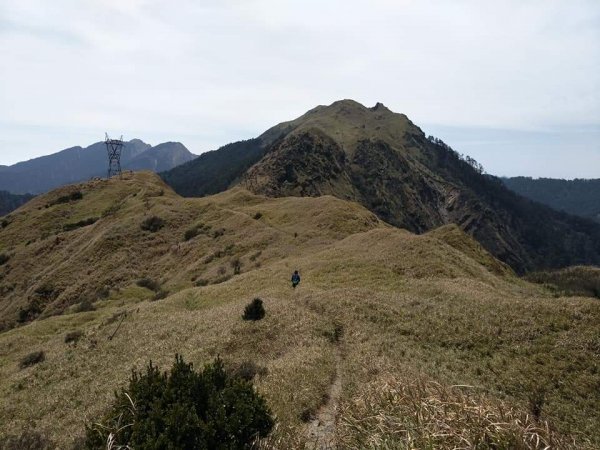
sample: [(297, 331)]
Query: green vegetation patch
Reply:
[(183, 409)]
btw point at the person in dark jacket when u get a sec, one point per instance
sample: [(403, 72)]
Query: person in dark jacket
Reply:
[(295, 279)]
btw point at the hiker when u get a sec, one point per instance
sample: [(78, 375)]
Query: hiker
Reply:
[(295, 279)]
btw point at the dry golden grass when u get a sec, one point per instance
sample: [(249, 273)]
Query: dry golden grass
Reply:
[(433, 307)]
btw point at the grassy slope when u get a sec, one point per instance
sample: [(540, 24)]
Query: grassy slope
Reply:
[(430, 307)]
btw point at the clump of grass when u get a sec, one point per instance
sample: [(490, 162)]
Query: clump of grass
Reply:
[(160, 295), (32, 359), (395, 413), (236, 265), (73, 337), (218, 233), (191, 233), (248, 370), (148, 283), (28, 439), (334, 335), (85, 306), (254, 310), (73, 196), (152, 224), (80, 224), (258, 215), (4, 258), (201, 282)]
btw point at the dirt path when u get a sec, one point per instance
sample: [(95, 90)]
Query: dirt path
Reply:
[(321, 431)]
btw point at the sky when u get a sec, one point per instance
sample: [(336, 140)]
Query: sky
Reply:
[(513, 83)]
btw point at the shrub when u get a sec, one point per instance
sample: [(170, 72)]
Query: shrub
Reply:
[(236, 265), (201, 282), (32, 359), (3, 258), (218, 233), (5, 223), (191, 233), (73, 196), (148, 283), (80, 224), (27, 440), (183, 409), (257, 216), (247, 370), (254, 310), (152, 224), (85, 306), (160, 295), (73, 337)]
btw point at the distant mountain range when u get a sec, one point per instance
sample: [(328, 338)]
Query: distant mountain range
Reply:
[(78, 164), (579, 197), (382, 160)]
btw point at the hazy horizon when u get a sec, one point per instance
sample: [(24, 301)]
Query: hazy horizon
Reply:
[(514, 84)]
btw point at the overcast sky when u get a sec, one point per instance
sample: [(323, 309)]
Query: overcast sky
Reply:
[(513, 83)]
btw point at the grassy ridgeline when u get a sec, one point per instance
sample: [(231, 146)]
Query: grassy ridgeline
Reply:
[(398, 318)]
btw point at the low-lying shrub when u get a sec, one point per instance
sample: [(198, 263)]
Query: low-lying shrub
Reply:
[(258, 215), (85, 306), (183, 409), (32, 359), (160, 295), (152, 224), (3, 258), (73, 337), (148, 283), (254, 310), (80, 224)]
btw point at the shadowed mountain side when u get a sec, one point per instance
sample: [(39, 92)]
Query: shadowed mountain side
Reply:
[(9, 202), (578, 197)]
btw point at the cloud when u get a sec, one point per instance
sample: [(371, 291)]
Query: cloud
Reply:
[(215, 71)]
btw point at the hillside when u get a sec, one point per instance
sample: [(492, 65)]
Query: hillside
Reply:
[(10, 202), (392, 339), (578, 197), (381, 160), (79, 164)]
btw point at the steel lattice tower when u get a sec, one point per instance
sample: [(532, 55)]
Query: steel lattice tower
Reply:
[(114, 147)]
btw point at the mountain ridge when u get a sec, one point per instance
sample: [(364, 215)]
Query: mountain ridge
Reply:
[(75, 164), (383, 161)]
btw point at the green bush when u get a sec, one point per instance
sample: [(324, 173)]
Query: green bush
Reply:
[(80, 224), (32, 359), (85, 306), (73, 337), (148, 283), (3, 258), (73, 196), (191, 233), (152, 224), (183, 409), (254, 310), (160, 295)]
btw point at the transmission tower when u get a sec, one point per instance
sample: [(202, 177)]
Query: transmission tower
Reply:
[(114, 147)]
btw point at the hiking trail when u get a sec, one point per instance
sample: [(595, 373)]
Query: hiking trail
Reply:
[(321, 431)]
